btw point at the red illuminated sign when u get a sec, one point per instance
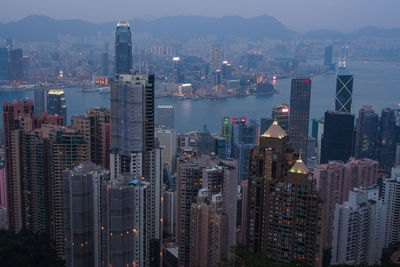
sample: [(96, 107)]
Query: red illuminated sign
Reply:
[(284, 110), (244, 120), (234, 120), (307, 81)]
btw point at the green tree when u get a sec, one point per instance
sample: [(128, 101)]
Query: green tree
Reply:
[(27, 249)]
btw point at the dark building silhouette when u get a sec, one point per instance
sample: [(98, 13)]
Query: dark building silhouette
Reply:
[(328, 55), (264, 124), (16, 67), (104, 63), (40, 100), (4, 57), (299, 114), (206, 142), (123, 48), (344, 90), (337, 140), (387, 139), (366, 133), (244, 138)]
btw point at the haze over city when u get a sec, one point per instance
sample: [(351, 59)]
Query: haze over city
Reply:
[(300, 15)]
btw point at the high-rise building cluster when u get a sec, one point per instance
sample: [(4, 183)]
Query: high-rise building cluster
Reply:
[(120, 186), (11, 64)]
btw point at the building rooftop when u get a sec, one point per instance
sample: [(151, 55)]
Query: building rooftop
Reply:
[(274, 131), (342, 71), (123, 23), (299, 167), (56, 92)]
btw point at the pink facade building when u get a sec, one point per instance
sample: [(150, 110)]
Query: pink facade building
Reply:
[(336, 179), (3, 184), (243, 226)]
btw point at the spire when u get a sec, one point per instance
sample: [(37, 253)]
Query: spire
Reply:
[(274, 131)]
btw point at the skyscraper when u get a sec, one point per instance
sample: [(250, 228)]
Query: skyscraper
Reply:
[(366, 133), (132, 144), (165, 116), (56, 103), (299, 114), (11, 114), (359, 228), (93, 125), (206, 142), (245, 135), (40, 101), (344, 89), (188, 176), (387, 139), (4, 71), (16, 67), (265, 123), (123, 48), (82, 214), (216, 57), (3, 184), (334, 181), (328, 56), (104, 63), (337, 140), (132, 122), (208, 230), (284, 215), (194, 173), (281, 115), (167, 141), (126, 219), (391, 196)]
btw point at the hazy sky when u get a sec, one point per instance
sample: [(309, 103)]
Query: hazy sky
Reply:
[(297, 14)]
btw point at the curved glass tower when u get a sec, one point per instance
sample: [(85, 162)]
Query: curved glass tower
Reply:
[(123, 48)]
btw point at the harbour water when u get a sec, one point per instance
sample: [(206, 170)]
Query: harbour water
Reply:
[(376, 84)]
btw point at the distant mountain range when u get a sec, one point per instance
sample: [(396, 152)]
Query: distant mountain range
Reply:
[(43, 28)]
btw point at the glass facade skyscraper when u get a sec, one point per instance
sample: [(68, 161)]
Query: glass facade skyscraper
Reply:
[(4, 72), (123, 48), (299, 114), (344, 90), (56, 103), (337, 140), (367, 133)]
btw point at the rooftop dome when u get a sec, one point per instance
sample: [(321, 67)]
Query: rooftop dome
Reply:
[(274, 131)]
